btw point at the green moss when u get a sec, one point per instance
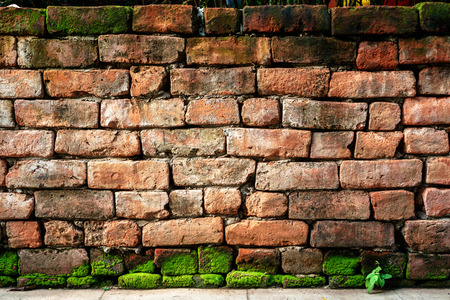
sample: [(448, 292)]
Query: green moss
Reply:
[(340, 264), (140, 281), (83, 282), (180, 264), (434, 273), (238, 279), (342, 281), (7, 281), (276, 280), (215, 260), (147, 267), (42, 280), (434, 16), (178, 281), (102, 268), (291, 281), (22, 21), (9, 263), (81, 271), (209, 280)]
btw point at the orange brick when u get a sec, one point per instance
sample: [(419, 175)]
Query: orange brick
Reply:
[(431, 49), (426, 141), (426, 111), (372, 144), (377, 56), (23, 234), (263, 205), (62, 234), (212, 112), (438, 170), (384, 116), (142, 205), (429, 236), (331, 145), (120, 233), (21, 84), (3, 171), (26, 143), (260, 112), (15, 206), (434, 81), (392, 205), (435, 201), (222, 201), (163, 18), (7, 113), (147, 81)]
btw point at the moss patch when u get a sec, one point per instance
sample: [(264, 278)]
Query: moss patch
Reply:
[(41, 280), (238, 279), (106, 264), (178, 281), (81, 271), (82, 282), (276, 280), (7, 281), (209, 280), (342, 281), (336, 263), (140, 281), (180, 264), (9, 263), (291, 281), (214, 260), (147, 267)]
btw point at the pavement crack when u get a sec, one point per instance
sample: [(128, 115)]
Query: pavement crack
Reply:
[(398, 295)]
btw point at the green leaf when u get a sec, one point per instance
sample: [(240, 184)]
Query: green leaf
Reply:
[(386, 276), (369, 286), (374, 279), (370, 275), (381, 282)]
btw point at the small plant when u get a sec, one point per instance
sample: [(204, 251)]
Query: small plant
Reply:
[(376, 278)]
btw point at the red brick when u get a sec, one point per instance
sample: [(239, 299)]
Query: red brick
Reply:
[(372, 144), (136, 262), (97, 143), (294, 81), (46, 174), (22, 21), (372, 84), (301, 261), (52, 261), (428, 266), (222, 201), (430, 236), (76, 83), (426, 141), (163, 18), (433, 16), (6, 113), (221, 20), (62, 233), (434, 81), (15, 206), (258, 260), (121, 233), (438, 170), (142, 205), (26, 143), (268, 142), (231, 81), (74, 204), (212, 112), (183, 232), (377, 56), (3, 171), (436, 201), (8, 51), (142, 114), (428, 50), (260, 112), (331, 145), (263, 205), (381, 174), (147, 81), (267, 233), (212, 171), (393, 263), (426, 111), (128, 175), (23, 234), (345, 205), (305, 113), (21, 84), (140, 49), (186, 203), (384, 116), (392, 205), (343, 234)]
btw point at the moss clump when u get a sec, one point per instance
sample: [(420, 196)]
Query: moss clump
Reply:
[(180, 264), (178, 281), (22, 21), (147, 267), (238, 279), (209, 280), (291, 281), (434, 16), (340, 264), (342, 281), (276, 280), (81, 271), (7, 281), (214, 260), (9, 263), (82, 282), (41, 280), (106, 264), (140, 281)]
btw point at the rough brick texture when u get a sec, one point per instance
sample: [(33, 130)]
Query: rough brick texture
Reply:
[(222, 201), (392, 205), (21, 84), (23, 234), (434, 81), (163, 19), (26, 143), (220, 20), (212, 112), (377, 55), (426, 141), (120, 233), (22, 21), (438, 170), (8, 51), (426, 111), (432, 49), (52, 262), (435, 201), (15, 206), (141, 205), (62, 233), (428, 235)]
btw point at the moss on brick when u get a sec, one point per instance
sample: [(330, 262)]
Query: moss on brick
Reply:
[(209, 280), (108, 264), (180, 264), (342, 281), (214, 260), (276, 280), (140, 281), (83, 282), (7, 281), (22, 21), (290, 281), (337, 263), (9, 263), (238, 279), (147, 267), (81, 271), (42, 280), (434, 16), (178, 281)]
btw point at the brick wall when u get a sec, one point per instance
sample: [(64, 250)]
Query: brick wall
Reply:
[(287, 146)]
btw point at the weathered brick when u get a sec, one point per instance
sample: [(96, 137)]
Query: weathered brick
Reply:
[(128, 175), (428, 266), (186, 203), (176, 261), (140, 49), (211, 171), (3, 171), (163, 18), (428, 50), (433, 16), (74, 204), (120, 233), (438, 170), (262, 204), (57, 113), (393, 263), (221, 20), (384, 116), (215, 259), (436, 201), (260, 112), (142, 114), (258, 260), (346, 205), (147, 81), (331, 145), (6, 113), (372, 84), (430, 236), (8, 51), (62, 233), (22, 21), (377, 56), (15, 206), (426, 111), (267, 233), (46, 174), (21, 84), (26, 143), (392, 205), (142, 262), (305, 113), (212, 112), (97, 143), (183, 232), (381, 174), (23, 234), (301, 261), (142, 205), (286, 19), (222, 201), (53, 262), (106, 264), (425, 141), (344, 234), (434, 81), (374, 20), (230, 81), (373, 144), (69, 20)]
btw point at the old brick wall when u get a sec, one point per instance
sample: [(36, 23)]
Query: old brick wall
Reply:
[(286, 146)]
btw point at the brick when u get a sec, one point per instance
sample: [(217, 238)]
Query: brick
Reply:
[(377, 20), (183, 232), (258, 260), (62, 233), (377, 56), (344, 234), (315, 50), (69, 20), (438, 170), (211, 171), (263, 205), (305, 113), (140, 49), (6, 113), (392, 205), (142, 114), (426, 111), (345, 205), (392, 263), (286, 19), (296, 176), (268, 142), (372, 84), (434, 81), (3, 171), (215, 259), (221, 20), (120, 233), (259, 112), (22, 21), (46, 174), (53, 262), (436, 201), (428, 50), (212, 112), (76, 83), (163, 19), (433, 16), (301, 261), (142, 262), (21, 84), (230, 81), (74, 204), (430, 236), (142, 205), (106, 264), (380, 174), (384, 116), (373, 144), (55, 53), (8, 51), (428, 266), (183, 142), (147, 81), (26, 143), (23, 234), (128, 175), (97, 143), (15, 206), (222, 201), (425, 141), (57, 113), (267, 233), (331, 145), (186, 203)]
